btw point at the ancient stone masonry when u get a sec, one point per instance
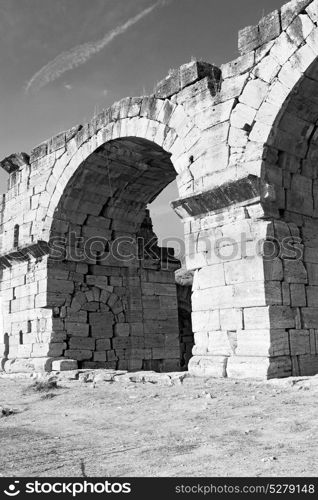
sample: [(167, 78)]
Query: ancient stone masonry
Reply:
[(242, 142)]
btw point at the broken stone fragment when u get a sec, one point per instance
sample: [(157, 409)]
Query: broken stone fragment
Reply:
[(13, 162)]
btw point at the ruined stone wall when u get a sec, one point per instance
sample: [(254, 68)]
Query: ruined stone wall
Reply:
[(241, 142), (99, 315)]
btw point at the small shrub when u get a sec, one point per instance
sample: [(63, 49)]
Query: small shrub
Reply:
[(44, 385)]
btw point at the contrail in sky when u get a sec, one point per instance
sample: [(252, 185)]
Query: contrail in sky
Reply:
[(77, 56)]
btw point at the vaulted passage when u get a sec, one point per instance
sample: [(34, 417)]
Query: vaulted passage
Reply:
[(112, 289)]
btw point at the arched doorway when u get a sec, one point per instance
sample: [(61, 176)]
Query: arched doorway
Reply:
[(111, 287)]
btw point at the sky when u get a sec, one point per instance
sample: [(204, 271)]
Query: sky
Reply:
[(63, 60)]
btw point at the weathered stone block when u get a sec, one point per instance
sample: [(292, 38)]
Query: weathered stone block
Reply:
[(122, 330), (208, 366), (238, 66), (291, 9), (77, 329), (298, 295), (82, 343), (312, 296), (231, 319), (299, 342), (197, 70), (28, 365), (247, 367), (101, 331), (310, 317), (45, 350), (78, 355), (62, 365), (308, 365), (248, 39)]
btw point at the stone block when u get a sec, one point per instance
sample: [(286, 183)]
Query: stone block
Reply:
[(248, 39), (99, 356), (30, 365), (105, 318), (242, 367), (231, 319), (298, 295), (218, 344), (38, 152), (280, 367), (291, 10), (254, 93), (168, 86), (62, 365), (206, 320), (283, 48), (46, 350), (299, 342), (295, 272), (270, 27), (308, 365), (219, 297), (101, 331), (282, 316), (78, 355), (81, 343), (197, 70), (77, 329), (256, 318), (267, 69), (312, 11), (103, 345), (300, 29), (122, 330), (209, 277), (262, 342), (208, 366), (244, 270), (310, 317), (249, 294), (312, 296), (238, 66)]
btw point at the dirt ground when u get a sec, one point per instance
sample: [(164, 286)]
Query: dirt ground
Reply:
[(201, 428)]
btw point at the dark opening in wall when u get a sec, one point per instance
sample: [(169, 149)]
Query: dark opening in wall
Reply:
[(20, 337), (6, 344), (29, 326), (16, 236)]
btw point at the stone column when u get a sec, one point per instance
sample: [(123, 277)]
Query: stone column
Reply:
[(241, 320)]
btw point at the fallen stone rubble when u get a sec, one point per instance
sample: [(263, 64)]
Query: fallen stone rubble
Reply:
[(100, 376)]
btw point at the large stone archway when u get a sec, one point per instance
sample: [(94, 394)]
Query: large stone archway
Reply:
[(111, 288), (242, 141)]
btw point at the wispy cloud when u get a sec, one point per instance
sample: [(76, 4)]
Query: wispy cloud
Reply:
[(80, 54)]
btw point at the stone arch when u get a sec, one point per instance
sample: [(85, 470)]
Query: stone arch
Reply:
[(114, 300), (272, 135), (289, 174), (164, 121), (160, 121), (271, 139)]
